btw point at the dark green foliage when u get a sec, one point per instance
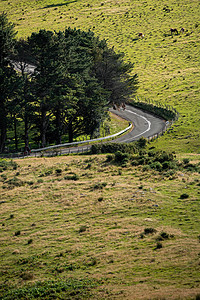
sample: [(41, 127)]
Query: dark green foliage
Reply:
[(109, 157), (9, 83), (99, 186), (14, 182), (158, 245), (100, 199), (184, 196), (191, 167), (58, 171), (83, 228), (72, 177), (30, 241), (92, 262), (159, 111), (113, 147), (149, 230), (75, 80), (7, 164), (68, 289), (163, 236), (18, 232), (121, 157), (186, 161)]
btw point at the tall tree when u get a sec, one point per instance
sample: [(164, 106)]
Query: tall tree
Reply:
[(22, 58), (45, 48), (8, 77)]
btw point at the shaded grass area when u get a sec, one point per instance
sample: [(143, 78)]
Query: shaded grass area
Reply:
[(167, 65), (117, 229)]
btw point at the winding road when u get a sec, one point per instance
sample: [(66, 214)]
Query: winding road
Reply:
[(145, 124)]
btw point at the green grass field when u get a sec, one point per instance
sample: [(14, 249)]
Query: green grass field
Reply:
[(122, 232), (168, 66), (81, 227)]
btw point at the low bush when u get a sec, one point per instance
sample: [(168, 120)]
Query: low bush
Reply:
[(121, 157), (7, 164), (184, 196), (58, 171), (72, 177), (68, 289), (113, 148), (14, 182), (149, 230), (99, 185), (158, 245), (83, 228)]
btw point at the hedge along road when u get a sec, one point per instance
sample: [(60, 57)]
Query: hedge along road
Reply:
[(144, 125)]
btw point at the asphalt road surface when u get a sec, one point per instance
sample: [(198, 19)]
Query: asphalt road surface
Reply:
[(145, 124)]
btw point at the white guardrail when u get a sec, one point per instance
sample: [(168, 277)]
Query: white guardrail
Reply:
[(82, 142)]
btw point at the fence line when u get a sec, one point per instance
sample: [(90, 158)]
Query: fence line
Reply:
[(166, 107)]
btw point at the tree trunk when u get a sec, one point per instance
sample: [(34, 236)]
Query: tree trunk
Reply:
[(43, 128), (26, 131), (70, 131), (3, 127), (15, 130), (58, 127)]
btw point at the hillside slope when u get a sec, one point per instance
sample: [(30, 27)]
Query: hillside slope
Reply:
[(167, 65)]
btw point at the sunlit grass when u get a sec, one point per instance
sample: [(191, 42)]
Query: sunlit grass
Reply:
[(114, 205)]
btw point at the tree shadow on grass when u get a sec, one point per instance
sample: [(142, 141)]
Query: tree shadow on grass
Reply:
[(61, 4)]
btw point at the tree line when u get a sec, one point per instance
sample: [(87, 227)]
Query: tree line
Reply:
[(73, 80)]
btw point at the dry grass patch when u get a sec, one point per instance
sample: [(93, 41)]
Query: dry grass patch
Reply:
[(105, 225)]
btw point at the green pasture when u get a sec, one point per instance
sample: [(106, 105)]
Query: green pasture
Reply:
[(119, 233), (168, 66)]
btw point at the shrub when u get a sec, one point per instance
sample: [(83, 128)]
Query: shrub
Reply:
[(142, 142), (7, 164), (14, 182), (113, 147), (158, 245), (163, 236), (40, 181), (93, 262), (58, 171), (26, 276), (83, 228), (30, 241), (72, 177), (18, 232), (109, 157), (99, 185), (184, 196), (186, 161), (121, 157), (156, 166), (149, 230)]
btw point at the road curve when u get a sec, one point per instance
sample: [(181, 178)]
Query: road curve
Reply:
[(145, 124)]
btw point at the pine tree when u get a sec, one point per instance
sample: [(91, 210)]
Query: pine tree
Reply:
[(8, 77)]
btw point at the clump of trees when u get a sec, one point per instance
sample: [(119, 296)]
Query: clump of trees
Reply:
[(56, 84)]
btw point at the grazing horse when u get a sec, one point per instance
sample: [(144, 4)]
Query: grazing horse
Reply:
[(140, 34), (174, 30)]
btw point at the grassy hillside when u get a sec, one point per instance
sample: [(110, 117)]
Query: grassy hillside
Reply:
[(168, 66), (84, 227), (119, 233)]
